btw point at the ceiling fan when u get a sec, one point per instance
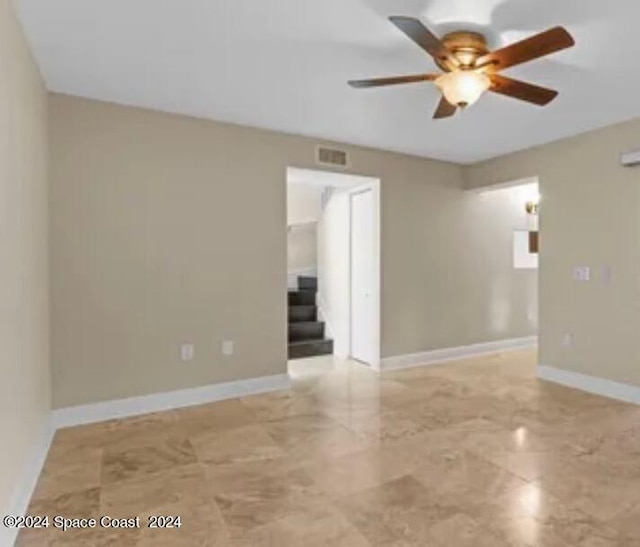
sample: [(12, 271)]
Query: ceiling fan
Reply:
[(470, 68)]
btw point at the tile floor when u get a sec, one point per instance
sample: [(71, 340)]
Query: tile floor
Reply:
[(474, 453)]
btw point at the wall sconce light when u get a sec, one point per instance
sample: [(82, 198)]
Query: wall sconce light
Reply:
[(531, 207)]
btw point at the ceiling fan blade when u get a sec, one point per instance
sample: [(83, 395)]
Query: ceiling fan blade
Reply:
[(545, 43), (422, 36), (522, 90), (393, 80), (445, 109)]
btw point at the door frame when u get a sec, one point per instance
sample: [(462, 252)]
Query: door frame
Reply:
[(350, 183)]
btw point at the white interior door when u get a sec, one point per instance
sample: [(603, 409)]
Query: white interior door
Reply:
[(363, 314)]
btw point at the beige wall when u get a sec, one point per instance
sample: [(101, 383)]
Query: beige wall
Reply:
[(154, 242), (589, 217), (24, 352)]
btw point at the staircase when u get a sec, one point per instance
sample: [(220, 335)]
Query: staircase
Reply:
[(306, 333)]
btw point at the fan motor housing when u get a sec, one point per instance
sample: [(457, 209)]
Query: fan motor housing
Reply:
[(466, 45)]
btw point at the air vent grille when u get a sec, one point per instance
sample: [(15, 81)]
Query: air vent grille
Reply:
[(332, 156)]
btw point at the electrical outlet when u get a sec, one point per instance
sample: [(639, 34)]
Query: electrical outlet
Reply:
[(227, 347), (187, 352), (582, 273), (567, 340)]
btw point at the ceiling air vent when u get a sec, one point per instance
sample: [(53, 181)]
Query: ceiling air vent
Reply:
[(332, 157)]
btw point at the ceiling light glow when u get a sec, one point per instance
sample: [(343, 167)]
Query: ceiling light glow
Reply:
[(463, 87)]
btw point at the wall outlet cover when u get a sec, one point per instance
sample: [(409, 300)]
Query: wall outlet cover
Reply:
[(227, 347), (187, 352), (582, 273)]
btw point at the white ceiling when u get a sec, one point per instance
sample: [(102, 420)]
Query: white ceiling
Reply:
[(283, 64)]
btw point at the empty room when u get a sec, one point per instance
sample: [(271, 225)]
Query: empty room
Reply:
[(349, 273)]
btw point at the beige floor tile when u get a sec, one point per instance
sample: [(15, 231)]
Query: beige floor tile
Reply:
[(399, 510), (526, 465), (121, 463), (349, 474), (595, 489), (32, 538), (475, 452), (202, 526), (241, 444), (462, 531), (316, 526), (71, 442), (255, 493), (528, 516), (380, 426), (73, 538), (520, 439), (79, 504), (627, 524), (446, 410), (114, 537), (283, 404), (180, 486), (460, 477), (219, 416), (182, 491), (310, 437), (61, 476)]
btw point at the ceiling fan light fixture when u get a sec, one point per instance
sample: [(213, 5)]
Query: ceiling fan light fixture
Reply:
[(463, 87), (471, 68)]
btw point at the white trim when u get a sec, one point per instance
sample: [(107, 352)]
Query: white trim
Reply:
[(19, 502), (451, 354), (157, 402), (592, 384)]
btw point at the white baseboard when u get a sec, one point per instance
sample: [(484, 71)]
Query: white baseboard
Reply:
[(437, 356), (19, 502), (157, 402), (592, 384)]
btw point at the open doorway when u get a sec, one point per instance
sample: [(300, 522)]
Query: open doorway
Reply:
[(510, 210), (333, 265)]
